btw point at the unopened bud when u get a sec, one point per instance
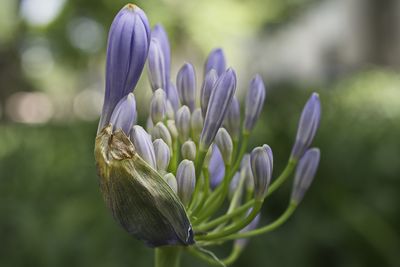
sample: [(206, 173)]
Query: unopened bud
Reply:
[(254, 103), (224, 142), (158, 106), (143, 145), (186, 179), (216, 167), (161, 131), (188, 150), (162, 154), (183, 123), (186, 84), (261, 166), (124, 115), (171, 181), (196, 124)]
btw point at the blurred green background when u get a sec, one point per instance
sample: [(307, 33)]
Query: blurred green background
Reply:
[(52, 79)]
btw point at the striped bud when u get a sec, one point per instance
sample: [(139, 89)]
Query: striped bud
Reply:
[(182, 122), (158, 106), (186, 179), (188, 150), (173, 96), (186, 84), (171, 181), (224, 142), (142, 142), (156, 66), (162, 154), (261, 165), (254, 103), (216, 61), (196, 124), (206, 89), (160, 131), (124, 115)]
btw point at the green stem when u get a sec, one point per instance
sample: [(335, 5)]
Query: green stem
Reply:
[(198, 168), (168, 256), (235, 253), (282, 178)]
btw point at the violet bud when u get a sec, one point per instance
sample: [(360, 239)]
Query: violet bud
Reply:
[(162, 154), (224, 142), (160, 131), (186, 84), (127, 48), (143, 146), (158, 106), (232, 119), (124, 115), (182, 122), (254, 103), (220, 100), (242, 243), (188, 150), (261, 165), (171, 181), (186, 179), (196, 124), (305, 173), (206, 89), (215, 60), (308, 125), (158, 33), (173, 96), (156, 67), (216, 167)]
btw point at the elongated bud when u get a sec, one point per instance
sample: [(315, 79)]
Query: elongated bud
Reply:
[(305, 173), (261, 165), (127, 48), (156, 66), (232, 119), (254, 102), (233, 186), (220, 100), (188, 150), (206, 89), (162, 153), (183, 123), (158, 106), (186, 179), (170, 112), (215, 60), (160, 131), (138, 197), (173, 96), (172, 129), (142, 142), (171, 181), (245, 170), (124, 115), (158, 33), (216, 167), (308, 125), (242, 243), (224, 142), (196, 123), (186, 84)]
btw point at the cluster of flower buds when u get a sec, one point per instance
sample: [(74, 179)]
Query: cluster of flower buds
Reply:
[(166, 183)]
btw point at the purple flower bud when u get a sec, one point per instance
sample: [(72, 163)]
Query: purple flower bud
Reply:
[(305, 173), (224, 142), (216, 167), (160, 131), (215, 60), (156, 67), (124, 115), (186, 179), (232, 119), (127, 48), (261, 165), (142, 142), (173, 96), (158, 106), (158, 33), (308, 125), (186, 83), (254, 102), (162, 154), (188, 150), (182, 122), (220, 100), (206, 89), (196, 124), (171, 181), (233, 186), (242, 243)]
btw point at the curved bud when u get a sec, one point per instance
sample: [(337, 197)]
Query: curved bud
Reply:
[(124, 115), (142, 143), (186, 84), (160, 131), (215, 60), (220, 100), (305, 173), (196, 123), (173, 96), (172, 129), (308, 125), (216, 168), (254, 103), (171, 181), (158, 106), (182, 122), (261, 165), (138, 197), (162, 153), (232, 119), (188, 150), (186, 179), (206, 89), (127, 48), (224, 142), (242, 243), (156, 66)]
